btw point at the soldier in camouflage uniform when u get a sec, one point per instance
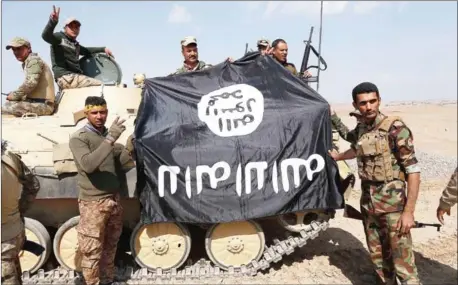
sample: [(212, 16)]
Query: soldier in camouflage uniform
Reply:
[(263, 46), (97, 156), (191, 56), (65, 53), (36, 94), (280, 53), (15, 202), (385, 155), (448, 198)]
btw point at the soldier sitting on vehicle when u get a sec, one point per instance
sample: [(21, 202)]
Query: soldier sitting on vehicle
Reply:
[(65, 52), (19, 189), (36, 94), (191, 57), (280, 53)]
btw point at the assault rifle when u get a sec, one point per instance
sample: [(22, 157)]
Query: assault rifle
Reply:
[(352, 213), (306, 56)]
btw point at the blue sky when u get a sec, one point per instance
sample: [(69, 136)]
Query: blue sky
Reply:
[(409, 49)]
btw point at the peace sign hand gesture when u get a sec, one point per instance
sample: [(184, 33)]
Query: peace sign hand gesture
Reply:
[(55, 13)]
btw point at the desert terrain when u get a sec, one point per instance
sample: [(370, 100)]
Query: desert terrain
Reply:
[(340, 256)]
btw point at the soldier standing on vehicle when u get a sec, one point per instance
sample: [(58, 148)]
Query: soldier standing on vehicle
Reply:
[(280, 53), (96, 155), (36, 94), (65, 53), (385, 144), (448, 198), (263, 46), (191, 57), (15, 202)]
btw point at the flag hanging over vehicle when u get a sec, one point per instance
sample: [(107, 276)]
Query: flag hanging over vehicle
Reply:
[(237, 141)]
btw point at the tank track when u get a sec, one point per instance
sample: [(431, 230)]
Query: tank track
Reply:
[(201, 269)]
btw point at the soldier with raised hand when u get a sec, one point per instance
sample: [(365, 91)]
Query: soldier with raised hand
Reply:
[(97, 155), (263, 46), (65, 53), (36, 94), (448, 198), (15, 202), (386, 163)]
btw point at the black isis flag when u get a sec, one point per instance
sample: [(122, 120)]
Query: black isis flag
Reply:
[(237, 141)]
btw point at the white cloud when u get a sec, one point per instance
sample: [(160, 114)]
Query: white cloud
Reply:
[(365, 7), (309, 8), (179, 14)]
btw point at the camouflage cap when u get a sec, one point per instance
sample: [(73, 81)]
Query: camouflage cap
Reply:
[(263, 42), (188, 40), (355, 113), (18, 42), (70, 20)]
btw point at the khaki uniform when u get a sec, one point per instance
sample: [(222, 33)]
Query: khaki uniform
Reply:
[(99, 203), (19, 188), (385, 155), (36, 94), (291, 67)]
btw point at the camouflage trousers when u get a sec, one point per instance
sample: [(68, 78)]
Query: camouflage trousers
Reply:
[(11, 267), (99, 229), (74, 80), (391, 254), (19, 108)]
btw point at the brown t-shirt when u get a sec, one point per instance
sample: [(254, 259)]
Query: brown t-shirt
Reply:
[(98, 163)]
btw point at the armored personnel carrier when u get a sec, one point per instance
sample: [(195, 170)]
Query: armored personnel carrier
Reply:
[(159, 249)]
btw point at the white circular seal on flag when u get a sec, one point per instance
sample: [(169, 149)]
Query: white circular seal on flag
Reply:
[(235, 110)]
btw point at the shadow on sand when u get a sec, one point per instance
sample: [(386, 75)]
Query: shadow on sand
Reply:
[(348, 254)]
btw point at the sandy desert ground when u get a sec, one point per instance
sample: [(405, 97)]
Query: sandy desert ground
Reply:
[(339, 256)]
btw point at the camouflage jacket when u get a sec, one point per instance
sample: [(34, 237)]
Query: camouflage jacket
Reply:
[(449, 195), (30, 183), (33, 68), (378, 198), (200, 66), (343, 131)]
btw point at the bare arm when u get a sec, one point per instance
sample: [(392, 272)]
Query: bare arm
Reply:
[(89, 161)]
